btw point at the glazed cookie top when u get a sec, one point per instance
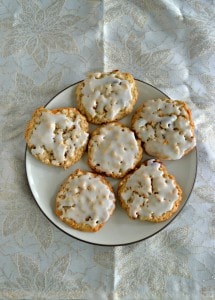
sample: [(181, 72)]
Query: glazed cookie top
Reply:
[(86, 198), (58, 132), (114, 150), (166, 128), (150, 191), (106, 95)]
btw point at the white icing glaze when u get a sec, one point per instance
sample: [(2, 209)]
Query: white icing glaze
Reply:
[(106, 96), (114, 150), (148, 192), (88, 200), (59, 134), (165, 129)]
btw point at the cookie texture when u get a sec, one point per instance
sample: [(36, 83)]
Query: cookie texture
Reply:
[(165, 127), (150, 193), (106, 97), (57, 137), (113, 150), (85, 201)]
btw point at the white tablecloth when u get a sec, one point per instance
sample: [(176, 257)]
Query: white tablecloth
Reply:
[(48, 45)]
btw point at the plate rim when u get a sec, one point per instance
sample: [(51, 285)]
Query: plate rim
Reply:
[(120, 244)]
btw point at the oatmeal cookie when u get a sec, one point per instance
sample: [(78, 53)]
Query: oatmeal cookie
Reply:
[(106, 97), (150, 193), (165, 127), (113, 150), (57, 137), (85, 201)]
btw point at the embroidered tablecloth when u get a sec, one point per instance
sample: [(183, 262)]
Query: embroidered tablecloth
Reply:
[(48, 45)]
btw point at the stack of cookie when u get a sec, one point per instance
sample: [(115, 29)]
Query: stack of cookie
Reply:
[(163, 128)]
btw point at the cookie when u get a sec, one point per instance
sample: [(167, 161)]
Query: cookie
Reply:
[(85, 201), (57, 137), (106, 97), (113, 150), (165, 127), (150, 193)]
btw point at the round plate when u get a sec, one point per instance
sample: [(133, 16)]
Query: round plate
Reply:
[(45, 181)]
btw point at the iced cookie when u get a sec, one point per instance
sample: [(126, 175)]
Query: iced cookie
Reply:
[(150, 193), (57, 137), (85, 201), (165, 127), (113, 150), (106, 97)]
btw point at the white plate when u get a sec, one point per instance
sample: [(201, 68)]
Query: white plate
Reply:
[(45, 181)]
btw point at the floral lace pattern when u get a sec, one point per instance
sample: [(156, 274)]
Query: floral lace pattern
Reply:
[(47, 45)]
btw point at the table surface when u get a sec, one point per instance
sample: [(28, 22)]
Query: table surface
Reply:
[(48, 45)]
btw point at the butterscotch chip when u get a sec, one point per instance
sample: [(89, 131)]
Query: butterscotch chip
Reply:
[(165, 127), (150, 193), (85, 201), (113, 150), (57, 137), (106, 97)]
